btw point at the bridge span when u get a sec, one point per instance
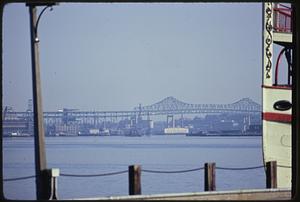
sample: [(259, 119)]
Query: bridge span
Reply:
[(167, 106), (171, 105)]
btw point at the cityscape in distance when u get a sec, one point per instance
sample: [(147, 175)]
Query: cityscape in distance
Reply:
[(242, 118)]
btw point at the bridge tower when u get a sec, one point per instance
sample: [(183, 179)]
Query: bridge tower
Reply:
[(181, 120), (172, 122)]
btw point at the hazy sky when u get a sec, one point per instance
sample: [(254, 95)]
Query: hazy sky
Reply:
[(114, 56)]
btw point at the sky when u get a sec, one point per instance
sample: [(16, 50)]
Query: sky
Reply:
[(112, 56)]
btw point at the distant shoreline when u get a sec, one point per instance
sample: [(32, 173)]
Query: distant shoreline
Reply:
[(219, 135)]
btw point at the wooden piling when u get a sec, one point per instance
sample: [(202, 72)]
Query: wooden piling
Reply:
[(209, 177), (134, 178), (271, 174)]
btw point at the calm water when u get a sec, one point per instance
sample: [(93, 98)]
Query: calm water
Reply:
[(93, 155)]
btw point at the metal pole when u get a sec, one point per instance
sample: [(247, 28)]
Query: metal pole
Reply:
[(39, 144)]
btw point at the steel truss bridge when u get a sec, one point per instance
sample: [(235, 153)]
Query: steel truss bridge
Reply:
[(167, 106)]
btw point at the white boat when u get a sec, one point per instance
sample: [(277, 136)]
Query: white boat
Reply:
[(176, 131), (277, 106), (104, 132), (15, 134)]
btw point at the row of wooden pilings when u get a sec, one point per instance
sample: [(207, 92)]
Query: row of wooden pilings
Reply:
[(134, 178), (209, 177)]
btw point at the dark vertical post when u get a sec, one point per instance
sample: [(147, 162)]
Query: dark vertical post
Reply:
[(134, 174), (295, 98), (209, 177), (40, 156), (271, 174), (1, 129)]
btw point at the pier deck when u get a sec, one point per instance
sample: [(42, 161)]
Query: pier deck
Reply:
[(253, 194)]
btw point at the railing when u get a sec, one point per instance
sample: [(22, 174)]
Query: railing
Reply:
[(134, 176), (282, 18)]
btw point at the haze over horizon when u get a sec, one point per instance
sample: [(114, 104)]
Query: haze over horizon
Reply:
[(111, 56)]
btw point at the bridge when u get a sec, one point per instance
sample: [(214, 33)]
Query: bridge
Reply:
[(171, 105), (167, 106)]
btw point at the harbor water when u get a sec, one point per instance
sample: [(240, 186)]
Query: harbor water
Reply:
[(96, 155)]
